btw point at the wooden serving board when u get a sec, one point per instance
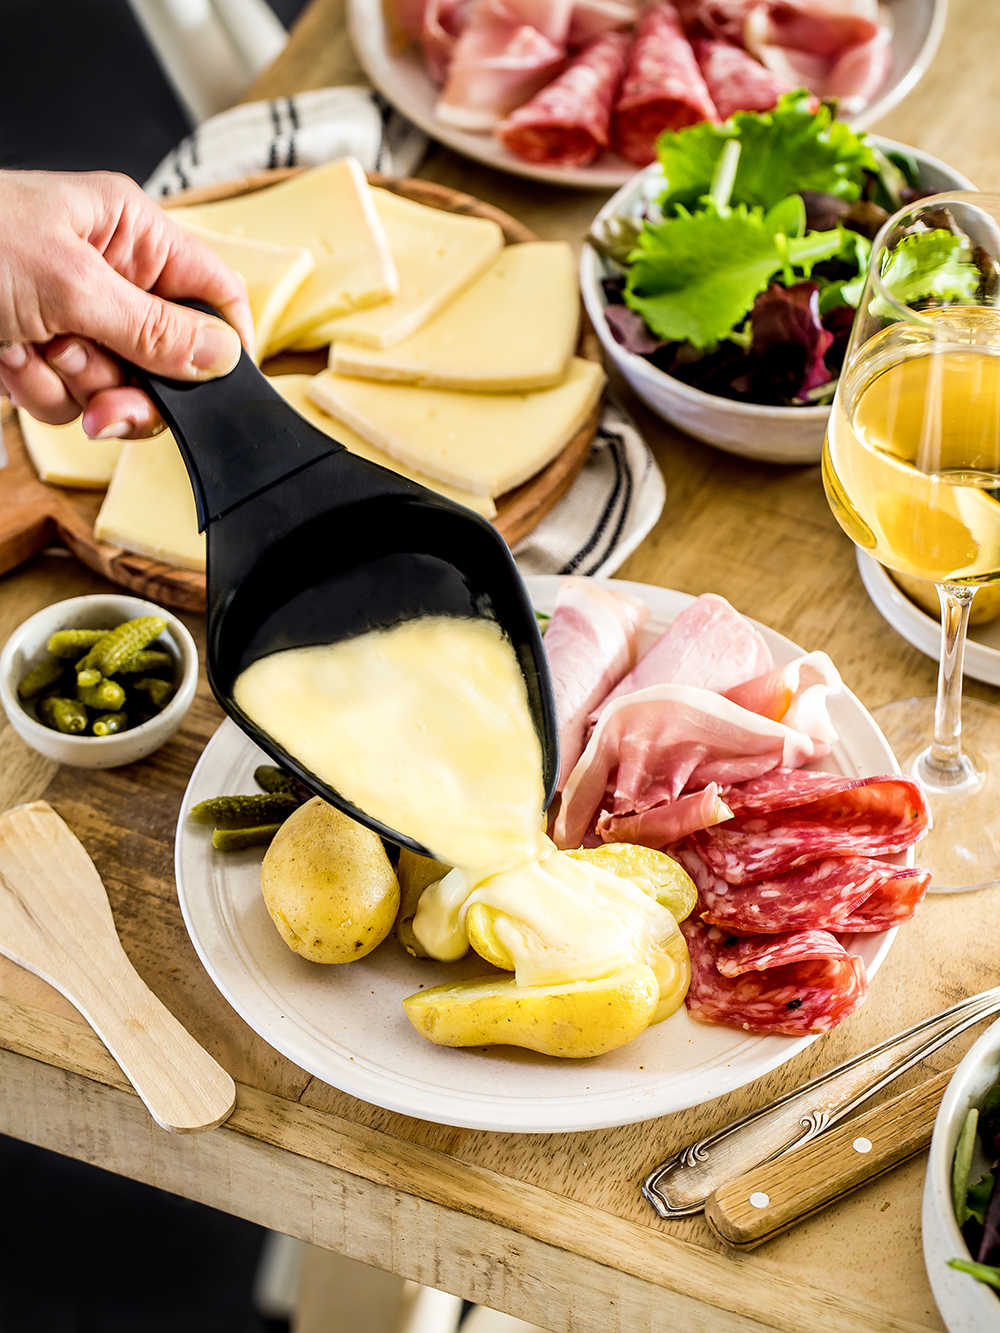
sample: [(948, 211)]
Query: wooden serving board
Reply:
[(34, 515)]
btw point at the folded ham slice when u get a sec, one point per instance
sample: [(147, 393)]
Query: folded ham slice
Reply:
[(443, 22), (663, 87), (709, 645), (794, 984), (590, 643), (592, 17), (498, 63), (567, 123), (846, 894), (652, 745), (784, 820), (735, 81), (796, 694)]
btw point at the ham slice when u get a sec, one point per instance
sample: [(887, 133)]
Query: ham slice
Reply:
[(498, 63), (735, 81), (794, 984), (590, 643), (443, 23), (651, 746), (709, 645), (663, 87), (567, 123), (665, 824), (823, 815), (592, 17), (796, 694), (821, 27), (844, 894)]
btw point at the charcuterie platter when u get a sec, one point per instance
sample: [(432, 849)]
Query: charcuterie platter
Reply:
[(348, 1027)]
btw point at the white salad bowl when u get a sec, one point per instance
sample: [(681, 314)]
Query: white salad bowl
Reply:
[(26, 647), (769, 434), (966, 1305)]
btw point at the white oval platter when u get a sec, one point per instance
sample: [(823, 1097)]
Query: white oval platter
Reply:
[(345, 1024)]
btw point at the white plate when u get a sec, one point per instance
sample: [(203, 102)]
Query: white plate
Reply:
[(401, 76), (346, 1024), (982, 651)]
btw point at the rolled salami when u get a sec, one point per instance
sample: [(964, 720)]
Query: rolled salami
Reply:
[(735, 81), (567, 123), (663, 87)]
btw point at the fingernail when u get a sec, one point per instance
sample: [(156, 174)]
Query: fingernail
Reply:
[(72, 360), (14, 356), (217, 349), (118, 430)]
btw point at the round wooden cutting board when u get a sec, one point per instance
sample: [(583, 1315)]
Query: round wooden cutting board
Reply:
[(34, 515)]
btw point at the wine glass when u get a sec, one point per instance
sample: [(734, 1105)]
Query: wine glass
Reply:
[(911, 468)]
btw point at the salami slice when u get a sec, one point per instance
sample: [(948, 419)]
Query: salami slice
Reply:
[(786, 788), (793, 984), (567, 123), (866, 817), (847, 894), (735, 81), (663, 88)]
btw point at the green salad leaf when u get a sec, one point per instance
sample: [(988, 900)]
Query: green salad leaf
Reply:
[(930, 265), (984, 1272), (977, 1198), (694, 277), (784, 151)]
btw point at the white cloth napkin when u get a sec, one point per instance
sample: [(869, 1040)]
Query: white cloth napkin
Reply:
[(620, 492), (299, 131)]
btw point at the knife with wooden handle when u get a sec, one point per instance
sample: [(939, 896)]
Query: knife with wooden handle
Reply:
[(771, 1198)]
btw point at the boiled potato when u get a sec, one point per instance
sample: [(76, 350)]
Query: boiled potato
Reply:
[(415, 873), (328, 884), (480, 927), (654, 872), (985, 604), (580, 1019)]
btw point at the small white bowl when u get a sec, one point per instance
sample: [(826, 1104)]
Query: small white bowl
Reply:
[(770, 434), (966, 1305), (26, 647)]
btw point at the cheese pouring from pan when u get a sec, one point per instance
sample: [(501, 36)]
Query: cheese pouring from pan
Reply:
[(310, 546)]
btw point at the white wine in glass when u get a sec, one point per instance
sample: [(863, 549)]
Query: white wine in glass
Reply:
[(912, 473)]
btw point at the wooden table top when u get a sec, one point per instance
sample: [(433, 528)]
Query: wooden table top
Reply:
[(551, 1228)]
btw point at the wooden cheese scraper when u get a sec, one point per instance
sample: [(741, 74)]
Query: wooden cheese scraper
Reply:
[(55, 920)]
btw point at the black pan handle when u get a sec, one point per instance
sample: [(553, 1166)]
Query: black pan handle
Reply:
[(237, 435)]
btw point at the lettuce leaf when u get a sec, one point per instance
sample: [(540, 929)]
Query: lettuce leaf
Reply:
[(695, 277), (784, 151), (929, 265)]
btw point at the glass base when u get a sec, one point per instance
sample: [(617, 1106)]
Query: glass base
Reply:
[(962, 850)]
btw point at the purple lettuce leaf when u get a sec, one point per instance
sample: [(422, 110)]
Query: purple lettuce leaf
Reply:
[(789, 334)]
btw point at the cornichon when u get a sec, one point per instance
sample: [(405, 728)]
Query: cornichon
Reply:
[(271, 778), (74, 642), (148, 660), (66, 715), (155, 689), (242, 812), (41, 678), (235, 839), (107, 695), (109, 724), (121, 643)]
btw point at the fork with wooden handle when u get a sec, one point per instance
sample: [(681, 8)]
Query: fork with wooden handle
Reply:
[(55, 920)]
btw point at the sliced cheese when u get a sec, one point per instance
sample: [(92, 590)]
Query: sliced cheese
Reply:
[(329, 211), (437, 254), (64, 456), (514, 327), (149, 507), (272, 274), (293, 388), (487, 443)]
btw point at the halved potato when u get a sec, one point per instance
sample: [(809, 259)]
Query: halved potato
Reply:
[(654, 872)]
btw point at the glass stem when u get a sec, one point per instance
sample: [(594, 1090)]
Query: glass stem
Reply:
[(944, 760)]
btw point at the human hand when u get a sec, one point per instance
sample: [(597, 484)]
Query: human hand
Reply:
[(89, 268)]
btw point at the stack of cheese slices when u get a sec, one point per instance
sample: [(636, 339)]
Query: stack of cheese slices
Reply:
[(451, 357)]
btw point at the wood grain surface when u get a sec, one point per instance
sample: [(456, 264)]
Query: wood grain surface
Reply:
[(552, 1227)]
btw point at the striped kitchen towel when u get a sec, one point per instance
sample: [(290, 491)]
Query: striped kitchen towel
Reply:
[(299, 131)]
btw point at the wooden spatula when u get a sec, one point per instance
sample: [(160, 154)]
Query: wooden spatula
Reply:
[(55, 920)]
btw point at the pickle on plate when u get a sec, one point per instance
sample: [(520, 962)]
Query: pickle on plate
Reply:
[(107, 695), (70, 643), (271, 778), (109, 724), (41, 678), (236, 839), (243, 812), (66, 715)]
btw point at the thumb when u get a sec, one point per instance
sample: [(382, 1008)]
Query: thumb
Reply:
[(156, 335)]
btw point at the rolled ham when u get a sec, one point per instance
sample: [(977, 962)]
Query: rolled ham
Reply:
[(735, 81), (498, 63), (590, 643), (709, 645), (567, 123), (663, 87)]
